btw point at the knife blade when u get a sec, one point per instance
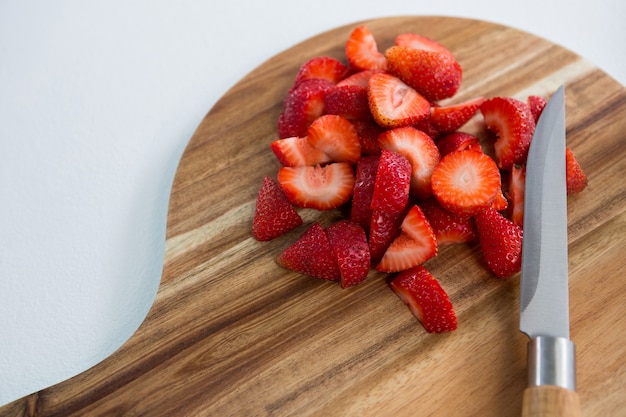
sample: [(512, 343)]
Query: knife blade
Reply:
[(544, 304)]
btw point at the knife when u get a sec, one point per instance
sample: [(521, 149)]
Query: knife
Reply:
[(544, 306)]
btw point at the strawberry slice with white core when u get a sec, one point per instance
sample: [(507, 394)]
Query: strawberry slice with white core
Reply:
[(319, 187), (296, 151), (362, 51), (414, 246), (466, 182), (336, 137), (420, 150), (426, 299), (393, 103)]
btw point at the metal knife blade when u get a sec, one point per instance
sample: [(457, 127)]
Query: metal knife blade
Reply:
[(544, 301)]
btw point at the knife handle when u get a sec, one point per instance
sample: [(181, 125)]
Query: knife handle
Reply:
[(550, 401)]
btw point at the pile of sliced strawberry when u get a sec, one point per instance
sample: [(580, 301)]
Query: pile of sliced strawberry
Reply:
[(368, 137)]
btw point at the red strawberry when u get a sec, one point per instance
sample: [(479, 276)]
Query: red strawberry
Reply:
[(512, 121), (426, 299), (393, 103), (384, 228), (362, 51), (414, 246), (273, 215), (336, 137), (434, 75), (500, 203), (457, 141), (575, 176), (517, 186), (296, 151), (448, 228), (466, 182), (393, 180), (360, 211), (322, 67), (368, 136), (421, 152), (349, 101), (319, 187), (360, 78), (450, 118), (536, 104), (302, 106), (311, 254), (501, 242), (413, 40), (427, 126), (349, 244)]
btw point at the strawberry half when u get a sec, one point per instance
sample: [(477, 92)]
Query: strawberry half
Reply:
[(426, 299), (349, 101), (362, 51), (448, 228), (501, 242), (352, 253), (393, 180), (513, 123), (296, 151), (336, 137), (421, 152), (393, 103), (415, 245), (322, 67), (457, 141), (319, 187), (365, 177), (302, 106), (517, 186), (466, 182), (416, 41), (311, 254), (273, 215), (447, 119), (575, 176), (434, 75)]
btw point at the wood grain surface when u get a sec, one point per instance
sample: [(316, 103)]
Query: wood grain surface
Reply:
[(232, 334)]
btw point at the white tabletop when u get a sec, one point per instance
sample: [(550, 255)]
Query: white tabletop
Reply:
[(97, 102)]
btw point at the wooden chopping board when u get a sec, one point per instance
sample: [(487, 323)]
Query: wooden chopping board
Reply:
[(232, 334)]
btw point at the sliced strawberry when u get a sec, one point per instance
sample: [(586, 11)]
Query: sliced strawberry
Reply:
[(336, 137), (517, 185), (384, 228), (448, 228), (349, 101), (466, 182), (311, 254), (501, 242), (421, 152), (301, 107), (322, 67), (415, 245), (434, 75), (414, 40), (360, 78), (273, 215), (368, 136), (297, 151), (393, 103), (392, 184), (426, 299), (457, 141), (427, 126), (536, 104), (447, 119), (575, 176), (360, 210), (500, 202), (362, 51), (352, 253), (512, 121), (319, 187)]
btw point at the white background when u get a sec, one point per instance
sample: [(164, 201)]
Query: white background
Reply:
[(97, 102)]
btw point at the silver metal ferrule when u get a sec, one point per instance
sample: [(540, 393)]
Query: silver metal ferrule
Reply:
[(552, 361)]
